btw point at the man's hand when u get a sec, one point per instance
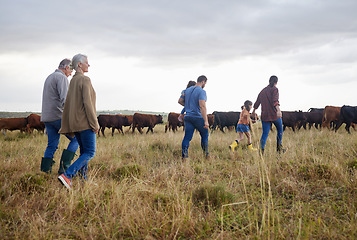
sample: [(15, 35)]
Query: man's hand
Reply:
[(206, 125)]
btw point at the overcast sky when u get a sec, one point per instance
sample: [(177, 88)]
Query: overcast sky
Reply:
[(143, 53)]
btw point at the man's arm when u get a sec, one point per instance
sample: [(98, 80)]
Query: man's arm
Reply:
[(204, 113), (278, 111)]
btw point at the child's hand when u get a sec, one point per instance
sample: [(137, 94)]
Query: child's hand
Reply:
[(180, 118)]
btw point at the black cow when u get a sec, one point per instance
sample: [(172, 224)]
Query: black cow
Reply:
[(316, 110), (313, 118), (225, 119), (348, 115), (292, 119)]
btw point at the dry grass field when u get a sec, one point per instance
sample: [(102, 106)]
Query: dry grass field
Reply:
[(138, 188)]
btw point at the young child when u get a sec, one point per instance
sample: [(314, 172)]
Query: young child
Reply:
[(189, 84), (243, 127)]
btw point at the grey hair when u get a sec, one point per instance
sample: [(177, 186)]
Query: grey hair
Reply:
[(64, 63), (79, 58)]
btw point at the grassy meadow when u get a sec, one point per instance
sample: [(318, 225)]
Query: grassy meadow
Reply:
[(139, 188)]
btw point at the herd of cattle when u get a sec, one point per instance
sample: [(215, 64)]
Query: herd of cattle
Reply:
[(329, 117), (27, 124)]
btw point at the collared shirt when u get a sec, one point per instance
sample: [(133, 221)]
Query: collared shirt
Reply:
[(268, 98), (54, 96)]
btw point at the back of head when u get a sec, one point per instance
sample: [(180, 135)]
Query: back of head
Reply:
[(64, 63), (202, 78), (273, 79), (79, 58), (190, 84), (247, 105)]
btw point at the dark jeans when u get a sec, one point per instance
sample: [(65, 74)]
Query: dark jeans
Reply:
[(191, 124), (266, 128), (53, 137)]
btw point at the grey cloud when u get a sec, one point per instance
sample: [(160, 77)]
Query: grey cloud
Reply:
[(184, 30)]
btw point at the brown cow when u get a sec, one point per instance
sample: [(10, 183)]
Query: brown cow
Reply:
[(129, 122), (173, 122), (111, 121), (210, 120), (331, 115), (34, 122), (145, 120), (13, 124)]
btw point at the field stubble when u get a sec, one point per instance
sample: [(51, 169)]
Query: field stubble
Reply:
[(139, 188)]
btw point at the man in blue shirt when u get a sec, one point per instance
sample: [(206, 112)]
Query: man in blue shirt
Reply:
[(194, 101)]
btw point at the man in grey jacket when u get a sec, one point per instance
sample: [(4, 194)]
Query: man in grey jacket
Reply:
[(53, 99)]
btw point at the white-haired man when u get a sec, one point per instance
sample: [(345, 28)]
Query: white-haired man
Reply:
[(53, 99)]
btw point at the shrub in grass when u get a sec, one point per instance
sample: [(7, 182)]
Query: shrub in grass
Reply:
[(314, 171), (9, 139), (161, 201), (159, 146), (352, 165), (212, 196), (10, 221), (128, 171), (30, 183)]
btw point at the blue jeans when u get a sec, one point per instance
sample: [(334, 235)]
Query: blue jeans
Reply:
[(53, 137), (192, 123), (87, 142), (266, 128)]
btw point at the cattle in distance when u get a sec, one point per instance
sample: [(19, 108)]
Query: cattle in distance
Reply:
[(141, 120), (34, 122), (348, 115), (313, 118), (173, 122), (331, 114), (292, 119), (13, 124), (111, 121)]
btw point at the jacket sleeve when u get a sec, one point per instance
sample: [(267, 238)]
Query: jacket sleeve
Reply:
[(89, 104), (257, 102)]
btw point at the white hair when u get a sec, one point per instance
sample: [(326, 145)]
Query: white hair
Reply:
[(79, 58), (64, 63)]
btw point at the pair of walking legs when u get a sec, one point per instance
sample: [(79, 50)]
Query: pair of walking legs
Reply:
[(266, 128), (192, 124), (53, 138), (87, 145)]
